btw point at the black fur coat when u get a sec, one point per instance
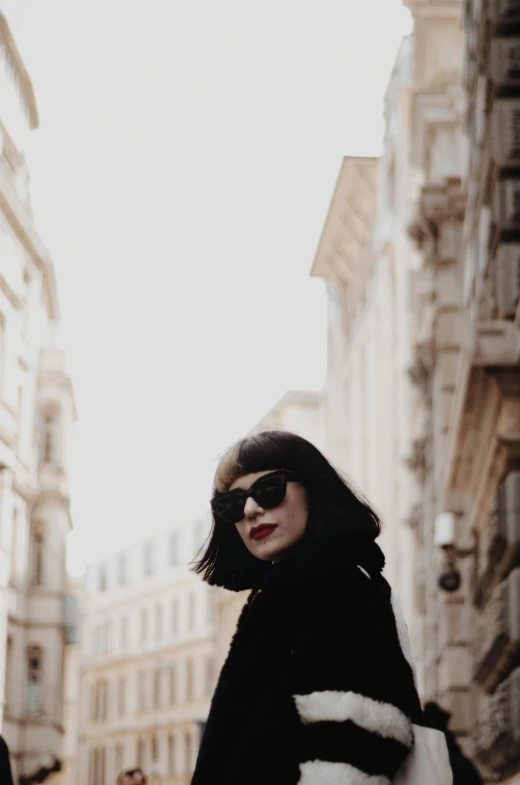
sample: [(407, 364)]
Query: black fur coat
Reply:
[(316, 688)]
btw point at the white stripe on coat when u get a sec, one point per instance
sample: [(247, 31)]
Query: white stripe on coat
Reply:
[(319, 772), (374, 716)]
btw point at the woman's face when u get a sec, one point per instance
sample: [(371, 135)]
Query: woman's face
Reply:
[(284, 525)]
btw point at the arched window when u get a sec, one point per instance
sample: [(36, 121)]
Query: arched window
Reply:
[(38, 554), (34, 686), (49, 452)]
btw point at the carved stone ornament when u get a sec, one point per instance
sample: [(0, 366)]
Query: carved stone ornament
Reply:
[(416, 461), (497, 727), (421, 370), (423, 232), (497, 642)]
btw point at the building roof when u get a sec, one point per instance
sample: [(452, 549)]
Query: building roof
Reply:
[(7, 42), (348, 220), (312, 398)]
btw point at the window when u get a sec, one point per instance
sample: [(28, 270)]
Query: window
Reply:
[(158, 621), (172, 686), (140, 753), (192, 606), (26, 312), (171, 755), (93, 703), (102, 578), (103, 639), (95, 640), (190, 668), (157, 688), (198, 537), (34, 687), (148, 559), (189, 751), (121, 570), (123, 632), (121, 696), (209, 675), (108, 637), (38, 543), (211, 607), (174, 549), (101, 701), (141, 691), (175, 617), (20, 419), (144, 625), (97, 766), (155, 749), (2, 354), (14, 547), (119, 757), (97, 702), (49, 452), (9, 675)]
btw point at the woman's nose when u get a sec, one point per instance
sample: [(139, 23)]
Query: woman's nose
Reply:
[(251, 507)]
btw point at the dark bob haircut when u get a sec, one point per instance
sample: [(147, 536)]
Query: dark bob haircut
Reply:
[(335, 509)]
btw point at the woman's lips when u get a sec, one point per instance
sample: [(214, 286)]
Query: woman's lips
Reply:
[(262, 531)]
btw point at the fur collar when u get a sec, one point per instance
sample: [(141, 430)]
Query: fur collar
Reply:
[(315, 556)]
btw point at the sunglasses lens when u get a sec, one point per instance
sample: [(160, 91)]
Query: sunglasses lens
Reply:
[(231, 509), (270, 492)]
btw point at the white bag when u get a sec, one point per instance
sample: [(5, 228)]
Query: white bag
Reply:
[(428, 763)]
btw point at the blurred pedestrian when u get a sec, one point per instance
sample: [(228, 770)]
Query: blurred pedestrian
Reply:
[(6, 777), (464, 770), (132, 777), (318, 684)]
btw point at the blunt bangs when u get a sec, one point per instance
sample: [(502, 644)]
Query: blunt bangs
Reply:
[(335, 508)]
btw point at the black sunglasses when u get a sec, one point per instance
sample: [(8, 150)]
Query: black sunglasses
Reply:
[(268, 492)]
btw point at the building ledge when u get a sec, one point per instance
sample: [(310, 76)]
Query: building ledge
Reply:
[(23, 228)]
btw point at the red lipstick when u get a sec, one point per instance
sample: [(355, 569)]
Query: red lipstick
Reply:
[(263, 530)]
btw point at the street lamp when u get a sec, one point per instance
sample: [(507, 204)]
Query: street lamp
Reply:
[(444, 537)]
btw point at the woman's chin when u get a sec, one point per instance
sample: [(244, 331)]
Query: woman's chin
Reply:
[(273, 552)]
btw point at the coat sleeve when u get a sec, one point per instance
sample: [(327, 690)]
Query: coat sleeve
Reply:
[(352, 687)]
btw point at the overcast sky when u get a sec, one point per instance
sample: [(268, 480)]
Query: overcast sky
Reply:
[(183, 168)]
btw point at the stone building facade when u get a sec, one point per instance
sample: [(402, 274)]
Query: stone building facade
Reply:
[(147, 660), (36, 416), (421, 256)]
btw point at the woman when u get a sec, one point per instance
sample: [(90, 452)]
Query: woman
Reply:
[(5, 764), (316, 688)]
